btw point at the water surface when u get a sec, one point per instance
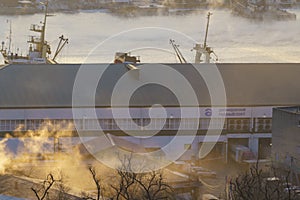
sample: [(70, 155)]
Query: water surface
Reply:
[(233, 38)]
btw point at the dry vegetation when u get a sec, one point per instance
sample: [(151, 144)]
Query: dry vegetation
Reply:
[(259, 185)]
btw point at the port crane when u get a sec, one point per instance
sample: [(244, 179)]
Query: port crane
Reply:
[(203, 51)]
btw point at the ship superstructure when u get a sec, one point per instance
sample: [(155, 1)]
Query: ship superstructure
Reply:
[(203, 52), (39, 49)]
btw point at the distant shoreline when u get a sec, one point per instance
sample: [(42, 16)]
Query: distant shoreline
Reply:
[(128, 10), (117, 10)]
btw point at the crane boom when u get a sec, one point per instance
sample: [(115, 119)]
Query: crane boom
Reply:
[(177, 52)]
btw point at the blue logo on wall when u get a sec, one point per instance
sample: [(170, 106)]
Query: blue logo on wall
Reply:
[(208, 112)]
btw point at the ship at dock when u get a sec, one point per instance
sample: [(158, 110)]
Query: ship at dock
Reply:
[(204, 53), (39, 49), (260, 10)]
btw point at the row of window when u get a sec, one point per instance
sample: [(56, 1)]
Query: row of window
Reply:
[(231, 125), (245, 125)]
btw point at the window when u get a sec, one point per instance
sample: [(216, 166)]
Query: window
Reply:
[(216, 123), (238, 125), (191, 124), (263, 125), (204, 124), (78, 124), (19, 125), (91, 124), (106, 124), (5, 125)]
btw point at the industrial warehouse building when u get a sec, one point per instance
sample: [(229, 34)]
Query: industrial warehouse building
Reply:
[(32, 94)]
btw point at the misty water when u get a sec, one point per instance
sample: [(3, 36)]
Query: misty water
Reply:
[(96, 36)]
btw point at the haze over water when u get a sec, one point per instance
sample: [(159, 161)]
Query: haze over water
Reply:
[(233, 38)]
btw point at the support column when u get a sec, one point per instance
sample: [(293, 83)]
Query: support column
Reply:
[(254, 144), (226, 152)]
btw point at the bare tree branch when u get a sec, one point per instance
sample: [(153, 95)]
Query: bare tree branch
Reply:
[(255, 185), (47, 184), (96, 180)]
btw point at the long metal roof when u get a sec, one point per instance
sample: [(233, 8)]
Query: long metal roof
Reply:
[(51, 86)]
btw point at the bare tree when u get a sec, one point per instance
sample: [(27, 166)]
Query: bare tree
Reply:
[(62, 188), (129, 184), (153, 186), (97, 181), (43, 191), (254, 184), (124, 180), (126, 184)]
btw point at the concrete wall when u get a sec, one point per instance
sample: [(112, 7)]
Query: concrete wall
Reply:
[(285, 137)]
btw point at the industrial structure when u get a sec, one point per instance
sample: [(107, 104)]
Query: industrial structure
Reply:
[(32, 94), (285, 139)]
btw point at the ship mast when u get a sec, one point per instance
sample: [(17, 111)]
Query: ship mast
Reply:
[(41, 47), (204, 50), (207, 25), (43, 33), (10, 37)]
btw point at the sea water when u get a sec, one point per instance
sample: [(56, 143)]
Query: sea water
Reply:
[(96, 36)]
